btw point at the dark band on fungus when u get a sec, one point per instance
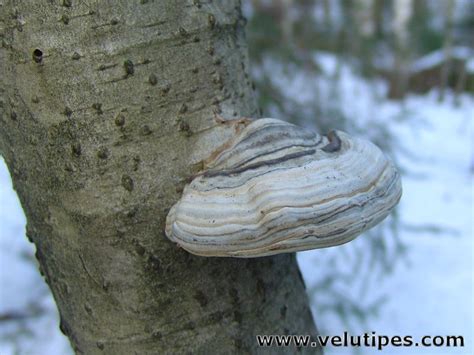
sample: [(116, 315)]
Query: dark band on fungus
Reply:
[(296, 155), (334, 144)]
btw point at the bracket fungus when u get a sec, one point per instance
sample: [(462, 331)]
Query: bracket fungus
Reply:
[(277, 188)]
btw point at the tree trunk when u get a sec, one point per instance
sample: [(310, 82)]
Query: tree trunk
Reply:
[(402, 10), (447, 49), (106, 109)]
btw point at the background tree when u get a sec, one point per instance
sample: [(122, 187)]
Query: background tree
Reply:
[(106, 109)]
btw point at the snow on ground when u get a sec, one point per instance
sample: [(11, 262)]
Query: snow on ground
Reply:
[(430, 293), (22, 290)]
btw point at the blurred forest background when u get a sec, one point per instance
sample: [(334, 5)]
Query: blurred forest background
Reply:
[(416, 45), (398, 72)]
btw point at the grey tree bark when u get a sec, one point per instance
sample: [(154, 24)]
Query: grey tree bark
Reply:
[(105, 110)]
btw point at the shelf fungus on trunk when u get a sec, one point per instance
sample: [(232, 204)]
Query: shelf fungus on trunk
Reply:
[(277, 188)]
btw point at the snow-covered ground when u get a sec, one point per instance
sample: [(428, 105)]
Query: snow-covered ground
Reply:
[(428, 293), (22, 290), (431, 291)]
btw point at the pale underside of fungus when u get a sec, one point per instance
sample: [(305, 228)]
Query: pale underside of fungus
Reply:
[(277, 188)]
